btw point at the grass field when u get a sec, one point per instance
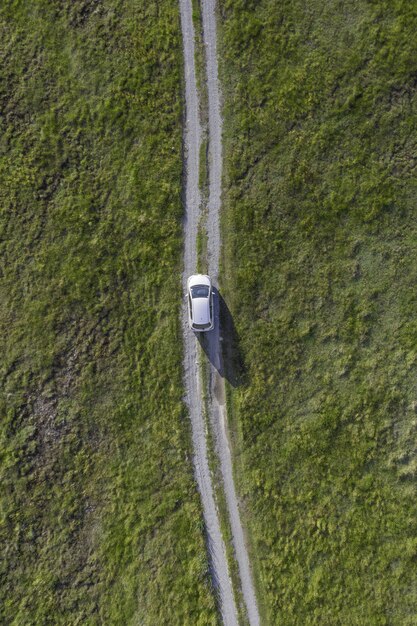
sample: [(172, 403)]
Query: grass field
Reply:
[(100, 519), (320, 274)]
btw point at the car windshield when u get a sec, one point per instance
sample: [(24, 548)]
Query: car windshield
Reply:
[(199, 291)]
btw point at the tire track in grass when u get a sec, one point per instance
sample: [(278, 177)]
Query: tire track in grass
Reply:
[(192, 141), (217, 406)]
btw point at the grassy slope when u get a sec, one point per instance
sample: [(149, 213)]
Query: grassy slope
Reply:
[(100, 520), (320, 271)]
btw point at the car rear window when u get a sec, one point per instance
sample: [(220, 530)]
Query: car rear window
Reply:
[(199, 291), (202, 326)]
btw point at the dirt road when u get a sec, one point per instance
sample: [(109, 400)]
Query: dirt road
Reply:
[(215, 544), (217, 409)]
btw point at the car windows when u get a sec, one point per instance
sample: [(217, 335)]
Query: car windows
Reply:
[(199, 291), (202, 326)]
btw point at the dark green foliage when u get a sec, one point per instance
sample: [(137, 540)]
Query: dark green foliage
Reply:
[(320, 271), (100, 519)]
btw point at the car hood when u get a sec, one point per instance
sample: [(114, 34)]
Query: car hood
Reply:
[(201, 310), (199, 279)]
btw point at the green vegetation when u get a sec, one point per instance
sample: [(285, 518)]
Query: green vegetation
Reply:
[(100, 518), (219, 494), (320, 275), (202, 246), (203, 163)]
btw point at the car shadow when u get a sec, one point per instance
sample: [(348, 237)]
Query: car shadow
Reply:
[(230, 365)]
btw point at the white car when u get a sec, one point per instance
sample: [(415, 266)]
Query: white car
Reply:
[(200, 303)]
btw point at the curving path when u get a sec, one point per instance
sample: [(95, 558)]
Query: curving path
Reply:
[(215, 544), (217, 409)]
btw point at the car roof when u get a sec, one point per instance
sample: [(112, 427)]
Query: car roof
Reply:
[(201, 310)]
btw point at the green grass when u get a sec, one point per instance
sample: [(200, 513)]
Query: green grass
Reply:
[(100, 518), (219, 494), (320, 271), (202, 246), (203, 174)]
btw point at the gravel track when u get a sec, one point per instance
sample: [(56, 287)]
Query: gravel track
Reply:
[(216, 404), (217, 407), (192, 141)]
